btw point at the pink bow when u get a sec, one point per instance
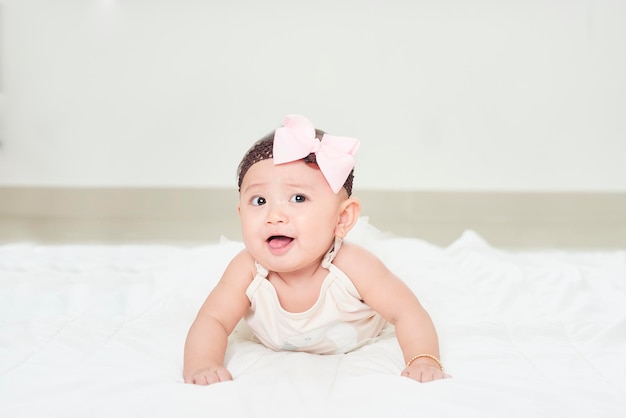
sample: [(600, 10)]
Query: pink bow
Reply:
[(334, 154)]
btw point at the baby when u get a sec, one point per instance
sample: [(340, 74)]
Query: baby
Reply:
[(296, 283)]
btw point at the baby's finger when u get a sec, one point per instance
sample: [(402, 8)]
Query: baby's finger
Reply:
[(212, 377), (424, 376), (223, 375), (198, 380)]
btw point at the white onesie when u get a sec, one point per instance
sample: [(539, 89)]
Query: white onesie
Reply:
[(338, 322)]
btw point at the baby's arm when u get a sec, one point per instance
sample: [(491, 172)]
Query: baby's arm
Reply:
[(395, 301), (207, 339)]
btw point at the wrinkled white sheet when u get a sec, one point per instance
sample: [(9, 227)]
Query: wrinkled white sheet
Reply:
[(98, 331)]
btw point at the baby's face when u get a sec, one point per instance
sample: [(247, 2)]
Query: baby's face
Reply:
[(288, 214)]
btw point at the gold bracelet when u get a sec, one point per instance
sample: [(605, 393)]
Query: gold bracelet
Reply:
[(408, 363)]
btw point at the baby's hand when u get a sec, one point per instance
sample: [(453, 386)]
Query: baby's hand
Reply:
[(423, 372), (209, 375)]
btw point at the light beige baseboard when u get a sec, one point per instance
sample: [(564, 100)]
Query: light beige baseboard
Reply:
[(195, 215)]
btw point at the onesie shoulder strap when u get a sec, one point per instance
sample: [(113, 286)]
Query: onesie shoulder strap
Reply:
[(332, 253)]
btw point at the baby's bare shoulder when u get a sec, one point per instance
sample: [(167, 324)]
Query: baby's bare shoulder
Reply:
[(241, 269), (354, 259)]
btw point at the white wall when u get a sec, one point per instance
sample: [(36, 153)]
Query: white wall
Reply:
[(445, 95)]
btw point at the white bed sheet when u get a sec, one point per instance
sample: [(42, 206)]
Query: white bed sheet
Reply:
[(98, 331)]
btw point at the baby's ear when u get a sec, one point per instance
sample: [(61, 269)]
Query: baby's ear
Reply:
[(349, 212)]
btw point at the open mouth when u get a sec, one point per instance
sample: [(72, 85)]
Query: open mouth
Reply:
[(278, 241)]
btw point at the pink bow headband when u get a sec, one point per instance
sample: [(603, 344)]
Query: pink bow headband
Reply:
[(334, 154)]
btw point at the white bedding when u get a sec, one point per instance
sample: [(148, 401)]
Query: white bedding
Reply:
[(98, 331)]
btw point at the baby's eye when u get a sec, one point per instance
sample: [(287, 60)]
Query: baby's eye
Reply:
[(297, 198), (258, 201)]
